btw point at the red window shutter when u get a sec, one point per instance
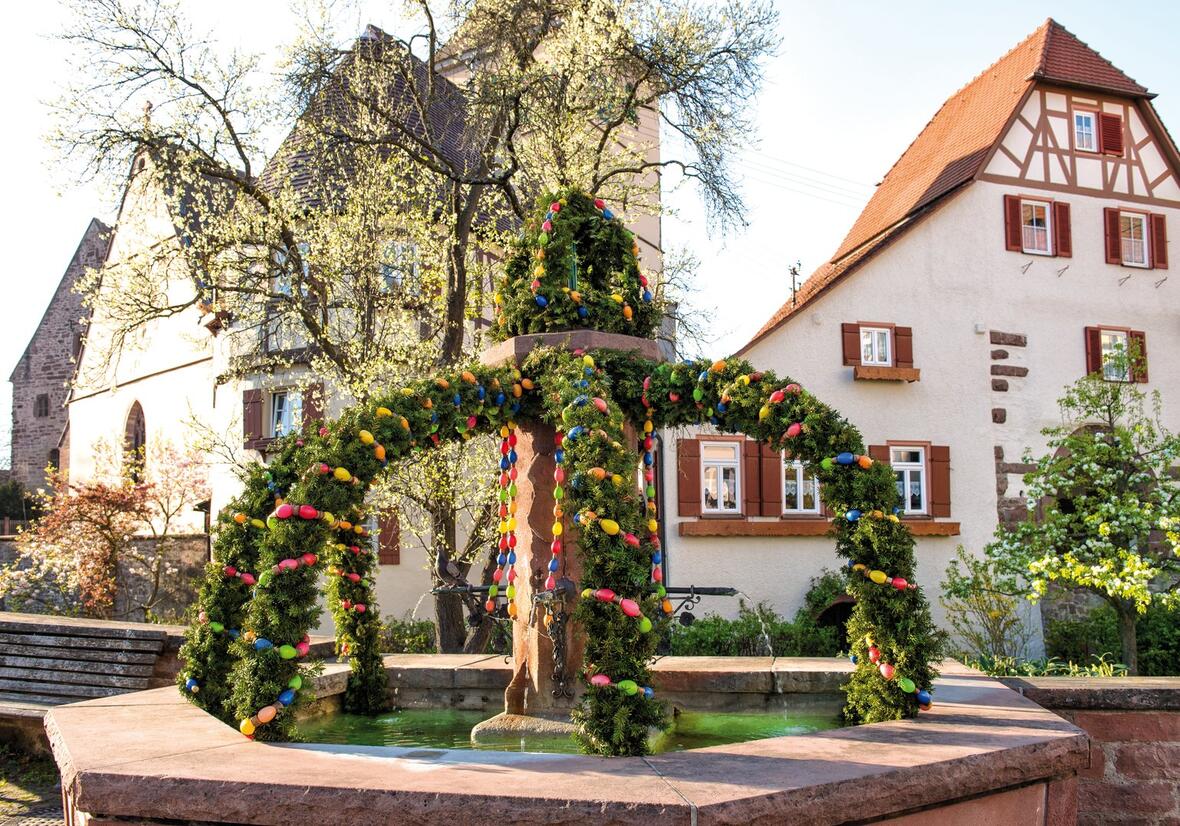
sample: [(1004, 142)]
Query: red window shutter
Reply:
[(1159, 241), (1114, 249), (772, 481), (1110, 128), (903, 346), (751, 479), (879, 453), (1062, 232), (313, 402), (940, 481), (389, 539), (688, 477), (1139, 348), (850, 334), (1013, 240), (1093, 350), (251, 417)]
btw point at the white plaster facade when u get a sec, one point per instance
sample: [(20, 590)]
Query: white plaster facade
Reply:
[(951, 279)]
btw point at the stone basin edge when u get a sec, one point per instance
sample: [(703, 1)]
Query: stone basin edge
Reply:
[(153, 755)]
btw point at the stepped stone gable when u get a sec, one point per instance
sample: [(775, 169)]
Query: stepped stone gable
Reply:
[(40, 379)]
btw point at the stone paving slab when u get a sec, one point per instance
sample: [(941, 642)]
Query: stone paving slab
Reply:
[(153, 755), (1105, 693)]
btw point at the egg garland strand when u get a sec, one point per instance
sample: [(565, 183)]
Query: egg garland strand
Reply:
[(505, 573), (555, 547)]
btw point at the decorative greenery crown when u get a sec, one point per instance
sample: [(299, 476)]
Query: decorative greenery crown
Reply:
[(575, 266)]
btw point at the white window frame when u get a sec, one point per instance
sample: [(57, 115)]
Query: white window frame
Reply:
[(798, 470), (399, 266), (1026, 229), (1078, 134), (876, 336), (719, 465), (1105, 333), (907, 470), (288, 414), (1146, 240)]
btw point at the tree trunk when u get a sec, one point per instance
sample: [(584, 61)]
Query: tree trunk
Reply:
[(448, 608), (1127, 619)]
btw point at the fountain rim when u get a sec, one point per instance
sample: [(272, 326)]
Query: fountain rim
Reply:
[(153, 754)]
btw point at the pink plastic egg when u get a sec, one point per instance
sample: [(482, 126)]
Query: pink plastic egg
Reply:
[(794, 430), (310, 559), (630, 607), (248, 579), (605, 595), (600, 680), (284, 511), (288, 565), (887, 671), (600, 404), (230, 570), (302, 648), (359, 608)]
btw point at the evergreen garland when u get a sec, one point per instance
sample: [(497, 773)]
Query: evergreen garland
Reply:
[(574, 267), (298, 518)]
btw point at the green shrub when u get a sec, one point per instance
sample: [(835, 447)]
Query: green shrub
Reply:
[(1088, 640), (1103, 666), (759, 631), (407, 636)]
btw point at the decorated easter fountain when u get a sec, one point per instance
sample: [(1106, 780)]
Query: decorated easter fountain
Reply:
[(574, 392)]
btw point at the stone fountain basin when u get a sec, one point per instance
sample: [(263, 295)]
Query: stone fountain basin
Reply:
[(984, 754)]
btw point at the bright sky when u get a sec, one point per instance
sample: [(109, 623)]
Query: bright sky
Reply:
[(853, 84)]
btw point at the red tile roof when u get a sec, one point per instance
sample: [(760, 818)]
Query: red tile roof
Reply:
[(950, 150)]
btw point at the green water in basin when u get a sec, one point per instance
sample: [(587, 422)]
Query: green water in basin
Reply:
[(451, 728)]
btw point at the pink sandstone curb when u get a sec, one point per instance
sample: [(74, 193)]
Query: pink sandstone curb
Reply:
[(154, 756)]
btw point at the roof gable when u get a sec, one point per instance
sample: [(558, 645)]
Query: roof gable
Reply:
[(952, 148)]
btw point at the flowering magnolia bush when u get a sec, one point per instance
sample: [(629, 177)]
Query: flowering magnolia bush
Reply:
[(68, 560)]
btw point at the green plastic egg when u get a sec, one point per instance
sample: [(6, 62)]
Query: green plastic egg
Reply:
[(287, 652)]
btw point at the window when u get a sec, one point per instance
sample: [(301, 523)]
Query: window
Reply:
[(1085, 137), (281, 281), (800, 491), (1133, 239), (1115, 365), (1034, 225), (286, 412), (875, 349), (41, 406), (399, 265), (909, 469), (720, 472)]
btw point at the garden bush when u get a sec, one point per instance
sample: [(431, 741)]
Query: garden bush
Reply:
[(1087, 640), (760, 626), (407, 636)]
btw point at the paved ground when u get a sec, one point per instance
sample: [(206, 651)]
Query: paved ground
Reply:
[(30, 790)]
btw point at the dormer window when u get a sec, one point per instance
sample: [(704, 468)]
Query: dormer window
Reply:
[(1085, 135), (1034, 224)]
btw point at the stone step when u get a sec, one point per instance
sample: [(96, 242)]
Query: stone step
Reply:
[(107, 643), (36, 665), (76, 627), (41, 678), (81, 654), (64, 693)]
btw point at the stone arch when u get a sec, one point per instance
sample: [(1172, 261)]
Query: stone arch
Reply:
[(134, 440)]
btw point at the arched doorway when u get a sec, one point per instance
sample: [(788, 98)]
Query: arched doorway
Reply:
[(135, 442)]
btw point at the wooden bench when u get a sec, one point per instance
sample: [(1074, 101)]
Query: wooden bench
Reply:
[(47, 661)]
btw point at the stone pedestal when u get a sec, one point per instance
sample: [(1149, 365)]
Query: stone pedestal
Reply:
[(534, 691)]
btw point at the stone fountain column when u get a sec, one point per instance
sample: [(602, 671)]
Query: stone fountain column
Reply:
[(531, 702)]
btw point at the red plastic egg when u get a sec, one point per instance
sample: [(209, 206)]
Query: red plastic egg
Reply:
[(308, 512)]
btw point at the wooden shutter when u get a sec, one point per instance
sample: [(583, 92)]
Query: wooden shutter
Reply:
[(751, 479), (313, 402), (850, 334), (389, 539), (251, 417), (688, 477), (1062, 232), (903, 346), (940, 481), (1139, 368), (1159, 241), (1114, 249), (1110, 133), (1093, 350), (1013, 239), (771, 464)]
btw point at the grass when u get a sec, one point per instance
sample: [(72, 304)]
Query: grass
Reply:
[(27, 782)]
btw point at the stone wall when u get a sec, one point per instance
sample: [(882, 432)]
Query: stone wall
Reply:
[(1134, 728), (47, 365), (184, 565)]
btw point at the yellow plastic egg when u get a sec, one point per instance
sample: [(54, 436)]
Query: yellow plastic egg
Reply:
[(384, 412), (588, 361), (609, 526), (877, 577), (557, 529), (615, 297), (366, 437), (246, 727), (342, 474)]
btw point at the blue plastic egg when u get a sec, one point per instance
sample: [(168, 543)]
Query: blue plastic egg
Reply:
[(583, 312), (852, 515), (924, 697), (542, 301), (458, 400), (845, 459), (287, 697), (552, 565), (647, 296), (657, 558), (648, 692), (852, 658), (559, 456), (504, 463), (512, 557), (261, 644), (512, 456), (480, 393), (607, 214)]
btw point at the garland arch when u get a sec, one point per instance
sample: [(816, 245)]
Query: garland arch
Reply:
[(296, 519)]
